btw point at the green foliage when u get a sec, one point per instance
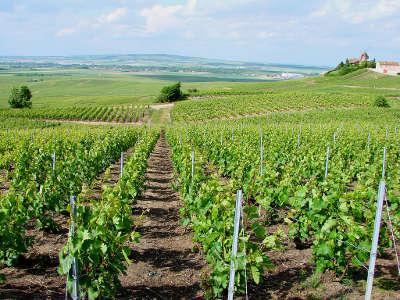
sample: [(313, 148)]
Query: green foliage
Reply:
[(381, 101), (334, 215), (346, 68), (218, 107), (35, 191), (193, 91), (121, 113), (20, 97), (171, 93), (104, 227), (209, 207), (13, 216)]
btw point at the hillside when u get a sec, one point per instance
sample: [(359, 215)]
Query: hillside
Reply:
[(156, 184)]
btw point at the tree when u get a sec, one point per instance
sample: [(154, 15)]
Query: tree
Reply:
[(20, 97), (381, 101), (171, 93)]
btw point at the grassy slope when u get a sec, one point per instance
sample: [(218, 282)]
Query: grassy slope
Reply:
[(81, 87), (57, 88), (370, 81)]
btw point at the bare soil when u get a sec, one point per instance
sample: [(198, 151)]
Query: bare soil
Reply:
[(35, 276), (291, 278), (162, 106), (164, 263)]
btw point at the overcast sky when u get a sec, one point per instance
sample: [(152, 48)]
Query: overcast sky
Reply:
[(312, 32)]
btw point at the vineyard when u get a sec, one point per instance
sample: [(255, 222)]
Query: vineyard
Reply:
[(120, 114), (262, 193), (290, 195), (217, 107)]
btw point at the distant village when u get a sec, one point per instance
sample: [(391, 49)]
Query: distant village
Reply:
[(383, 67)]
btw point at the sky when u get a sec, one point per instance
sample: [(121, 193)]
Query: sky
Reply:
[(308, 32)]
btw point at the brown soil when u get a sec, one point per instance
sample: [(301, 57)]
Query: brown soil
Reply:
[(162, 106), (35, 276), (164, 264), (292, 278)]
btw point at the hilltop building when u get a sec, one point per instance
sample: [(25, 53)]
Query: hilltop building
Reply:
[(388, 67), (355, 61)]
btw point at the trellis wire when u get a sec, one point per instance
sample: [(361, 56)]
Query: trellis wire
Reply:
[(392, 234), (244, 250), (236, 225), (327, 161), (74, 271)]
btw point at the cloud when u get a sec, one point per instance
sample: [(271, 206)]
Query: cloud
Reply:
[(90, 24), (160, 17), (65, 31), (114, 15), (354, 11)]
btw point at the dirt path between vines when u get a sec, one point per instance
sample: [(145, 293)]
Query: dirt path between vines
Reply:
[(164, 265)]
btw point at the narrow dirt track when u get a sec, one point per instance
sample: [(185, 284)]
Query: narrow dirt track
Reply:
[(164, 265)]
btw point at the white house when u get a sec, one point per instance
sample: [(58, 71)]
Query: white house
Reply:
[(388, 67)]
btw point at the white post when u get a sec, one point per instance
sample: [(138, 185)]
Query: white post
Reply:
[(375, 240), (53, 164), (327, 162), (193, 161), (75, 273), (236, 225), (377, 226), (298, 140), (334, 137), (122, 164), (369, 139)]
